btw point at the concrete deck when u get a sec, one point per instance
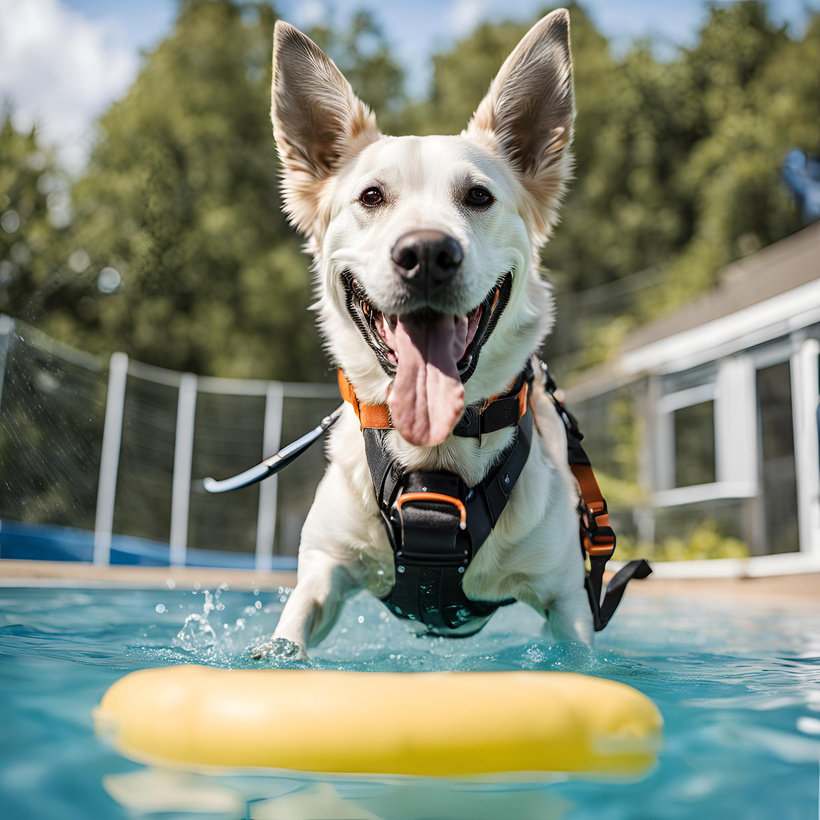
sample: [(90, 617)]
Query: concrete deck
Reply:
[(783, 591)]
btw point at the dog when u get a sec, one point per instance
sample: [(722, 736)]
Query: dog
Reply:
[(422, 234)]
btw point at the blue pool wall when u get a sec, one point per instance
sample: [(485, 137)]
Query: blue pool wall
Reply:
[(43, 542)]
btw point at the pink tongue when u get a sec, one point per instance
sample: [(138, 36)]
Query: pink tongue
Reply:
[(427, 398)]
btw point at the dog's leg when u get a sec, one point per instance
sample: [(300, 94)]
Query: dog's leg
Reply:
[(312, 609), (569, 619), (330, 570)]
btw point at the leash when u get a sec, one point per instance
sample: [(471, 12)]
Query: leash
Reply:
[(276, 462)]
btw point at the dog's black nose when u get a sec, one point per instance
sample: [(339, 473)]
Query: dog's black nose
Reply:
[(427, 258)]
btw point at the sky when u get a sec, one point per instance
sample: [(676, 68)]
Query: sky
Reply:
[(62, 62)]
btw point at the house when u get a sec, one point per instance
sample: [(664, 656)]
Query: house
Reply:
[(723, 395)]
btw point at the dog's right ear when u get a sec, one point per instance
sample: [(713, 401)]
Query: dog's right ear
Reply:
[(318, 123)]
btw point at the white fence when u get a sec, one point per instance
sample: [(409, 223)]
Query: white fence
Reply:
[(120, 447)]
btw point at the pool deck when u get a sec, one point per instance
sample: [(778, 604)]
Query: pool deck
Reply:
[(793, 592)]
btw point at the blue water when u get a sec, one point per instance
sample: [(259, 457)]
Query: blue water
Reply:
[(739, 688)]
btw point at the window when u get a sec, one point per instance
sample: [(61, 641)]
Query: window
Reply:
[(777, 463), (694, 435)]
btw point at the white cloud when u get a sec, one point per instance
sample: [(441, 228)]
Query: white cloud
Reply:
[(60, 70), (465, 15)]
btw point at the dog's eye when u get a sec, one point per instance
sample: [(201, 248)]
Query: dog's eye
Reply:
[(371, 197), (478, 198)]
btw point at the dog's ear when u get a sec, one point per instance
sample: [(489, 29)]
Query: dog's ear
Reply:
[(318, 123), (527, 114)]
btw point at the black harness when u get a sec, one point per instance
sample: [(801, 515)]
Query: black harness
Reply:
[(436, 524)]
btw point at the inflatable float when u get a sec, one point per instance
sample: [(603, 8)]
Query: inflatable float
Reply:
[(433, 724)]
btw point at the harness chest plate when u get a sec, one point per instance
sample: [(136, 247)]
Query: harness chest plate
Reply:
[(436, 524)]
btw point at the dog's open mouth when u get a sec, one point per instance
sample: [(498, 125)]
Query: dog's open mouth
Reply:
[(430, 354)]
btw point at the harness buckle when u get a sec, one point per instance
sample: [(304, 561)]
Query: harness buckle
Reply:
[(599, 539), (427, 496)]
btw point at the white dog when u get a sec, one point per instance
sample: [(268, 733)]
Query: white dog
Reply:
[(426, 254)]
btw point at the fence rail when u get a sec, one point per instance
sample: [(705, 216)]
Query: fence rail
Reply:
[(120, 447)]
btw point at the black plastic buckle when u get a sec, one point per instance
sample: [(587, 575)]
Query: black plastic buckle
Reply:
[(599, 535)]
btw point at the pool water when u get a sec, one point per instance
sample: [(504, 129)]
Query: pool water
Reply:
[(738, 686)]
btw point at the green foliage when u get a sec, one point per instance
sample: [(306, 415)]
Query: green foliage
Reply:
[(181, 198), (754, 94), (30, 245), (706, 542), (363, 56)]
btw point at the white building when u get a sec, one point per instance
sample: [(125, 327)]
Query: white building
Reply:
[(725, 397)]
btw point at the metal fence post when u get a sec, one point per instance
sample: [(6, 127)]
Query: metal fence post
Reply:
[(183, 458), (271, 442), (6, 326), (110, 457)]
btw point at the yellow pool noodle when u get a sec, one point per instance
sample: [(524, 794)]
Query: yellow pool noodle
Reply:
[(422, 723)]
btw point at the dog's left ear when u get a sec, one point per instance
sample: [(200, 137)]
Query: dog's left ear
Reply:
[(527, 114), (318, 123)]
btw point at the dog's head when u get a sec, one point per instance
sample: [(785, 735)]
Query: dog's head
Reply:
[(426, 248)]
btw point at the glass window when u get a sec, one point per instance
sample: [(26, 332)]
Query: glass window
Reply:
[(779, 475), (695, 444)]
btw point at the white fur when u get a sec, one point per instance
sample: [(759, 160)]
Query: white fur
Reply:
[(516, 147)]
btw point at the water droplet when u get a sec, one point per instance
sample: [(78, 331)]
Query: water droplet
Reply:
[(258, 605), (197, 585), (170, 583), (160, 608), (10, 221), (399, 569), (360, 619), (109, 280)]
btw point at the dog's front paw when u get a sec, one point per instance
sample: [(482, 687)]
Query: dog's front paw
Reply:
[(280, 648)]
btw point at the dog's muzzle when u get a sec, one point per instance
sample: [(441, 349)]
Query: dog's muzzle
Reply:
[(369, 320)]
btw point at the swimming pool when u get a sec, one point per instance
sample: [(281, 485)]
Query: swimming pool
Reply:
[(739, 688)]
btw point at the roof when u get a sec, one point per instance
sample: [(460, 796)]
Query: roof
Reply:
[(772, 275), (796, 261)]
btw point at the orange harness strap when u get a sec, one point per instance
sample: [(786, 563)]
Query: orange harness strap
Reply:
[(377, 416), (596, 534), (370, 415)]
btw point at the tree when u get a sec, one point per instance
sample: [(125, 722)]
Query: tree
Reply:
[(33, 224), (181, 199), (754, 94), (677, 170)]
